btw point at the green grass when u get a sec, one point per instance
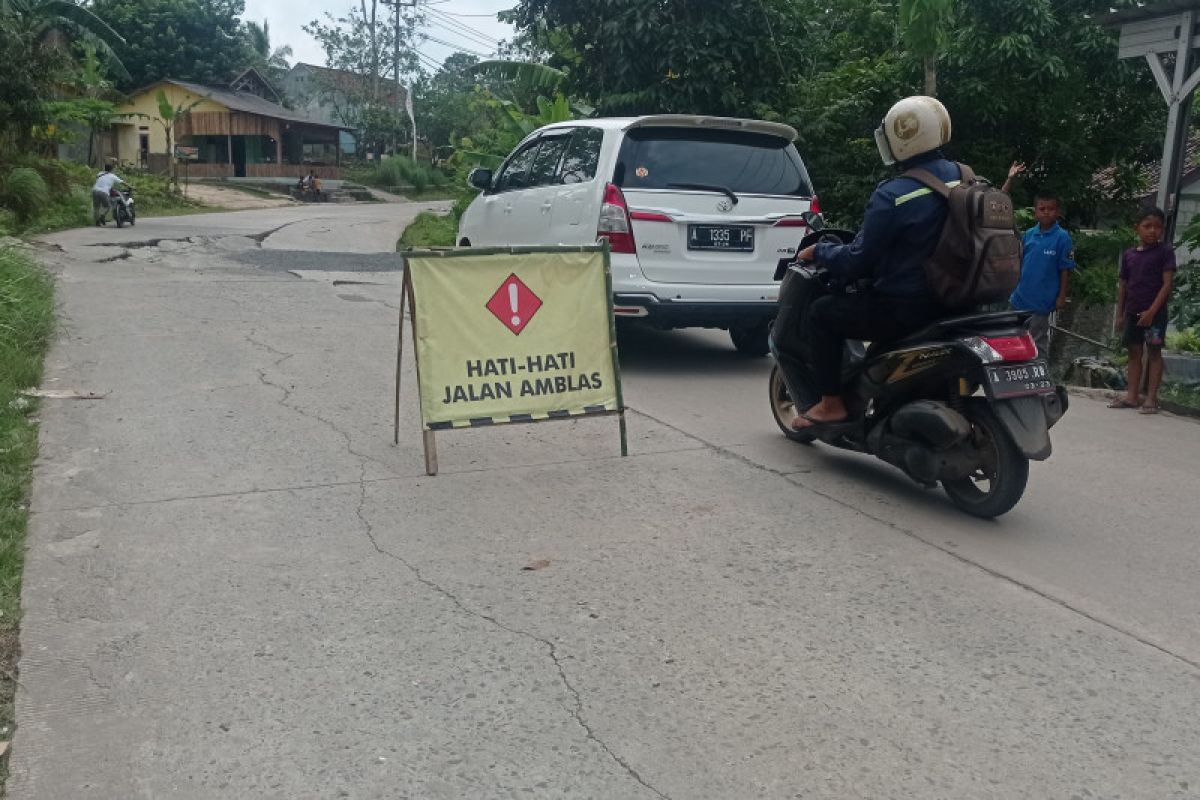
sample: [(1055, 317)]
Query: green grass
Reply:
[(429, 230), (26, 326)]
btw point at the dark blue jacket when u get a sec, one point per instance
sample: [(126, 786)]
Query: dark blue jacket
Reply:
[(900, 230)]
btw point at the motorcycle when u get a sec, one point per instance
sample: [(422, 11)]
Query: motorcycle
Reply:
[(965, 402), (122, 205)]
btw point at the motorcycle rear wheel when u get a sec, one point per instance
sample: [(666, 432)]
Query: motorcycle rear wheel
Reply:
[(997, 486), (783, 408)]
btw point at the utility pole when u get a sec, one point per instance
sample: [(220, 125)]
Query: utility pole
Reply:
[(396, 73)]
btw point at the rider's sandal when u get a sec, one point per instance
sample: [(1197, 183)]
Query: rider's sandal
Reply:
[(1121, 402), (1148, 409), (820, 425)]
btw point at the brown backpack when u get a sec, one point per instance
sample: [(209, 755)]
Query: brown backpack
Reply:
[(978, 256)]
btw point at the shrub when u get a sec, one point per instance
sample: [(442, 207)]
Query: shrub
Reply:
[(1185, 300), (1184, 341), (25, 193), (1098, 256), (400, 172)]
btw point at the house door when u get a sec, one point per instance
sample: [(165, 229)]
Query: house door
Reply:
[(239, 156), (143, 149)]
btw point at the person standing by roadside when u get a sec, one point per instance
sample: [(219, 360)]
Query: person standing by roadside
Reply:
[(101, 203), (1047, 260), (1147, 276)]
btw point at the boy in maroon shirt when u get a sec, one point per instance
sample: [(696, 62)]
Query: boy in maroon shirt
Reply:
[(1147, 275)]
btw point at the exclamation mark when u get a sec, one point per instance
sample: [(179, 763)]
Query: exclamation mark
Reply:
[(512, 303)]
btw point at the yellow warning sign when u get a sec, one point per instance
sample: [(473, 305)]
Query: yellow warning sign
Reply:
[(512, 337)]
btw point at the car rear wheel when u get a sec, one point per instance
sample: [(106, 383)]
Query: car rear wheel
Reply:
[(751, 341)]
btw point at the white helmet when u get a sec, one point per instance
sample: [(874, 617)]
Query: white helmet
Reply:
[(913, 126)]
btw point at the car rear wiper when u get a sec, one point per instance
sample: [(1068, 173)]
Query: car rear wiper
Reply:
[(706, 187)]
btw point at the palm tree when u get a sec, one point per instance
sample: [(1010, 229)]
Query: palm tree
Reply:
[(924, 23), (273, 61)]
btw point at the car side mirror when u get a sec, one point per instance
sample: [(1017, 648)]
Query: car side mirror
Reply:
[(813, 220), (480, 178)]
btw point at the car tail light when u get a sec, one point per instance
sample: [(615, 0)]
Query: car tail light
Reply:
[(991, 349), (791, 222), (614, 221), (814, 205)]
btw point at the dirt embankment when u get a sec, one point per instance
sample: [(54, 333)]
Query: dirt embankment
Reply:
[(234, 199)]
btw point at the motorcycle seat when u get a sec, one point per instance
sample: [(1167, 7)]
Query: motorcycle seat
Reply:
[(953, 327)]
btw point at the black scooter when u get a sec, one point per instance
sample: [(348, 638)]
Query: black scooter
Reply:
[(122, 205), (965, 402)]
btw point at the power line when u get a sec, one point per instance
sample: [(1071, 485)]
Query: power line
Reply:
[(455, 25), (454, 46), (450, 18), (471, 42)]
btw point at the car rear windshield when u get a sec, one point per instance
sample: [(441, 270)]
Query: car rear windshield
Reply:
[(743, 162)]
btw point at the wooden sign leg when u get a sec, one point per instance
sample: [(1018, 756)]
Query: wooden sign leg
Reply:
[(399, 359), (431, 464)]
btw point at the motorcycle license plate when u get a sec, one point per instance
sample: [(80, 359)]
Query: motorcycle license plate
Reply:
[(737, 238), (1019, 380)]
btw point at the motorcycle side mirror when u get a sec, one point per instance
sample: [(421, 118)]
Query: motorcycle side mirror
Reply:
[(813, 220)]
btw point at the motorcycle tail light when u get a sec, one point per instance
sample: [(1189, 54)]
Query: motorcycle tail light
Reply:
[(992, 349), (1013, 348), (979, 346)]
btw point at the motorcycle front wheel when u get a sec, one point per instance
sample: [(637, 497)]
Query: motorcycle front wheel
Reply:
[(119, 218), (783, 408), (997, 485)]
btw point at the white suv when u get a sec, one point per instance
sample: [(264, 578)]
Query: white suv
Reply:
[(699, 212)]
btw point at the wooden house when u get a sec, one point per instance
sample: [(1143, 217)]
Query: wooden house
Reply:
[(239, 131)]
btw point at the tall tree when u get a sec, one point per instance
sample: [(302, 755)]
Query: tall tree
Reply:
[(191, 40), (924, 24), (272, 62), (666, 55)]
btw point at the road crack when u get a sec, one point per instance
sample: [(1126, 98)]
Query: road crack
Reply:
[(793, 478), (577, 713)]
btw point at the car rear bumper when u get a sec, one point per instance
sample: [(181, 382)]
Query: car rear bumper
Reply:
[(690, 314)]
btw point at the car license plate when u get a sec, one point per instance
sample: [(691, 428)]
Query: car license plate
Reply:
[(1017, 380), (737, 238)]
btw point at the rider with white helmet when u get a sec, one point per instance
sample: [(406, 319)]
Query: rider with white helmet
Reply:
[(900, 229)]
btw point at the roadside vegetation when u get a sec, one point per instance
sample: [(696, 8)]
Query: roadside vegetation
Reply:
[(400, 175), (26, 325), (435, 230), (39, 195)]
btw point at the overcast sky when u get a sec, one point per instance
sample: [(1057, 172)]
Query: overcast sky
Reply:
[(467, 25)]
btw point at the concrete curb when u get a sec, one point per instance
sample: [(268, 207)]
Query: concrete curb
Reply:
[(1108, 394)]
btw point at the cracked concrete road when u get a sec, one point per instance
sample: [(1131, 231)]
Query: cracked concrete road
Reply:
[(237, 587)]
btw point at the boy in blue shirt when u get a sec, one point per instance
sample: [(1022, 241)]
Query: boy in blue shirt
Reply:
[(1046, 264)]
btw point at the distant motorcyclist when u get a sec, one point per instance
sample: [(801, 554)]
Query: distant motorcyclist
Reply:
[(900, 229), (101, 191)]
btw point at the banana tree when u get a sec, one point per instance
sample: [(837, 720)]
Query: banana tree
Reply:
[(48, 21), (168, 116)]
